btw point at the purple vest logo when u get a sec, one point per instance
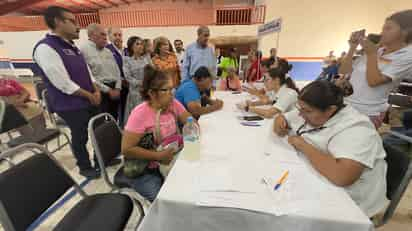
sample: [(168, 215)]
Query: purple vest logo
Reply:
[(69, 52)]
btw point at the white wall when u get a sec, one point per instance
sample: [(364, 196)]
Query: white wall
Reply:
[(313, 27), (310, 29), (20, 44)]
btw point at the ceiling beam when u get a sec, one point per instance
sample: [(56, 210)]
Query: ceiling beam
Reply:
[(125, 2), (97, 4), (111, 3), (69, 5), (84, 6), (33, 10), (16, 6)]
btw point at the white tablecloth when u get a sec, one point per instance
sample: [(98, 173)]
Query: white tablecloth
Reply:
[(225, 140)]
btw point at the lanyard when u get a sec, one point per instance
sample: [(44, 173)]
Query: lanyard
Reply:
[(299, 132)]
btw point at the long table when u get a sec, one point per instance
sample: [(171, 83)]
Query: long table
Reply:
[(314, 204)]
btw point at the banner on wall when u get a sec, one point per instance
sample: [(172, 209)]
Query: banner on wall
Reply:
[(270, 27)]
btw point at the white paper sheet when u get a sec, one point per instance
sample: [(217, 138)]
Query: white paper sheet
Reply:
[(296, 194), (216, 175), (279, 150), (249, 201)]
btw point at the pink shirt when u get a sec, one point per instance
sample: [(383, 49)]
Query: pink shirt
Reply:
[(9, 87), (142, 119)]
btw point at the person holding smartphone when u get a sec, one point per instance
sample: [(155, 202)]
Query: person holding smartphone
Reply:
[(379, 70)]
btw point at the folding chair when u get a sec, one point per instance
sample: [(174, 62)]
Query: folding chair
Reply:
[(106, 138), (32, 186), (43, 137), (42, 95), (398, 176)]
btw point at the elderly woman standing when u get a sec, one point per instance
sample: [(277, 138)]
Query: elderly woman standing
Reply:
[(133, 68), (166, 61)]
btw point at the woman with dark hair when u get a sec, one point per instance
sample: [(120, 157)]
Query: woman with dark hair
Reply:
[(255, 73), (380, 70), (281, 93), (193, 94), (133, 68), (165, 59), (157, 115), (339, 142)]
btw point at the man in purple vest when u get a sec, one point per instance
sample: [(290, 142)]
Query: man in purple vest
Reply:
[(116, 47), (72, 91)]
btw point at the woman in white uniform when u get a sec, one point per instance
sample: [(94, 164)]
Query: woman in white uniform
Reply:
[(375, 74), (339, 142), (281, 93)]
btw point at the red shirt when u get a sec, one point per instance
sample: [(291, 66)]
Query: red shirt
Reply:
[(255, 66), (9, 87)]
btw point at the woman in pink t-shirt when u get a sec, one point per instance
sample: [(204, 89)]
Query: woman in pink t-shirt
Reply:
[(157, 92), (12, 92)]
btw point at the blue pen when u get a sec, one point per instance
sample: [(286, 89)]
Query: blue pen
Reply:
[(281, 180)]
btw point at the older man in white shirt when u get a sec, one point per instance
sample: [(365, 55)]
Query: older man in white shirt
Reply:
[(104, 68)]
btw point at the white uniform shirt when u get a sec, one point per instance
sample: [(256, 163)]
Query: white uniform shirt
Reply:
[(285, 98), (103, 65), (180, 57), (372, 101), (52, 65), (351, 135)]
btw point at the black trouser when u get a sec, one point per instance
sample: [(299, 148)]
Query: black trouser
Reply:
[(123, 101), (77, 121), (108, 104)]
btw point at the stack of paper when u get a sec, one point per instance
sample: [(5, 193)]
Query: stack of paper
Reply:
[(226, 184)]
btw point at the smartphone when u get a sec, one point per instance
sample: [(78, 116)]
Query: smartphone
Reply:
[(252, 118), (362, 33), (236, 92)]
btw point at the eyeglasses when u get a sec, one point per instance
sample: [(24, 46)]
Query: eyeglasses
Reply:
[(301, 109), (266, 78), (165, 90)]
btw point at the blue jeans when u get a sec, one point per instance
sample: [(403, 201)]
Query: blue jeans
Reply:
[(395, 141), (148, 184)]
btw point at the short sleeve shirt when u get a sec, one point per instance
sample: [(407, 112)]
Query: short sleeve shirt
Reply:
[(372, 101), (351, 135), (188, 92), (143, 117), (286, 99)]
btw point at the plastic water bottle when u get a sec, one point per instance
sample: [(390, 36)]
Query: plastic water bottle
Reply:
[(191, 136), (191, 132)]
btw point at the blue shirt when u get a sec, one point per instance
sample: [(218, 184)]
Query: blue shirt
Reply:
[(195, 57), (188, 92)]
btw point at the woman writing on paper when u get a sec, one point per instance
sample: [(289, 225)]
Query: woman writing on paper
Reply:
[(281, 93), (339, 142)]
